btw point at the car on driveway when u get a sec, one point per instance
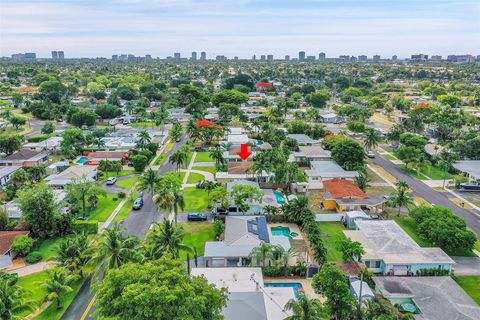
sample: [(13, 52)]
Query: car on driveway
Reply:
[(137, 204), (197, 216), (111, 181), (371, 154)]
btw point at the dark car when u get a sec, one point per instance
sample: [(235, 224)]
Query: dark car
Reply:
[(138, 204), (197, 216)]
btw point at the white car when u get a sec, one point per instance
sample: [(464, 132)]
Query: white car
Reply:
[(371, 154), (111, 181)]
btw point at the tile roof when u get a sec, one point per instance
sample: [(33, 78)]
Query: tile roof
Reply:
[(6, 239), (24, 154), (240, 167), (341, 188)]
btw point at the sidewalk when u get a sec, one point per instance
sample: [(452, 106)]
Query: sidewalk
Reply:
[(32, 268)]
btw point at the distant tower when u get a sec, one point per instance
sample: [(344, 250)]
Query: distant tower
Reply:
[(203, 56), (394, 58), (54, 55), (61, 55), (254, 57), (177, 56), (115, 57), (270, 57), (194, 56), (287, 58), (301, 56), (262, 57), (376, 58), (322, 56)]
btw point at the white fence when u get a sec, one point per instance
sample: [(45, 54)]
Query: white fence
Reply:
[(329, 217)]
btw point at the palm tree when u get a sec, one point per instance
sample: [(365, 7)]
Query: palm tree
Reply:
[(115, 249), (371, 139), (148, 180), (281, 257), (261, 253), (295, 209), (217, 155), (161, 117), (362, 181), (401, 198), (73, 253), (171, 200), (166, 238), (99, 143), (12, 299), (305, 309), (57, 284), (143, 139), (178, 158)]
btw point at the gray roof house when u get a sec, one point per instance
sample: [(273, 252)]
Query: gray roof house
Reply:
[(303, 139), (6, 173), (51, 144), (470, 167), (25, 158), (248, 297), (69, 175), (311, 153), (324, 170)]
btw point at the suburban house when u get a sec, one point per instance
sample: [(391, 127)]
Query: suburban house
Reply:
[(51, 145), (428, 297), (270, 198), (248, 296), (344, 195), (6, 241), (390, 251), (6, 173), (231, 155), (241, 171), (95, 157), (306, 154), (321, 171), (242, 235), (14, 211), (303, 139), (330, 116), (69, 175), (469, 167), (25, 158)]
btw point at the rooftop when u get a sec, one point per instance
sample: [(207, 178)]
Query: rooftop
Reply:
[(341, 188), (472, 167), (329, 169), (26, 154), (6, 239), (303, 139), (312, 151)]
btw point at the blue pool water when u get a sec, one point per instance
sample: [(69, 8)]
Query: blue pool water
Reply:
[(82, 160), (280, 231), (295, 285), (280, 199)]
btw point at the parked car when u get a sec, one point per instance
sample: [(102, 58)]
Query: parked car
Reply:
[(371, 154), (137, 204), (111, 181), (197, 216)]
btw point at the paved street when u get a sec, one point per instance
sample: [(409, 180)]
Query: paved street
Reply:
[(137, 223), (420, 189)]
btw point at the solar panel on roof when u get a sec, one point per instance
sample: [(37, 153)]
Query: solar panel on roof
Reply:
[(262, 229), (252, 226)]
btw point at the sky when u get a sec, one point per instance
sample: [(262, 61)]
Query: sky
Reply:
[(94, 28)]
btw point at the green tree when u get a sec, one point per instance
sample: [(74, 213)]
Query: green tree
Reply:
[(176, 131), (178, 158), (85, 193), (351, 250), (305, 308), (450, 100), (143, 139), (139, 162), (48, 128), (165, 238), (371, 138), (401, 198), (52, 90), (74, 253), (349, 155), (217, 155), (22, 245), (362, 181), (243, 194), (261, 253), (3, 218), (318, 99), (160, 289), (9, 143), (72, 143), (148, 180), (57, 284), (12, 299), (18, 121), (170, 199), (229, 96)]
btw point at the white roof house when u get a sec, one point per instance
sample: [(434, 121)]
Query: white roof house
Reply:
[(248, 298), (327, 169), (50, 144), (311, 153), (303, 139), (70, 174)]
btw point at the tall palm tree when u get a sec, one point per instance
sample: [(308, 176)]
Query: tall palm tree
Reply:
[(73, 253), (371, 139), (143, 139), (281, 257), (261, 253), (179, 158), (171, 200), (57, 284), (166, 238), (148, 180), (12, 299), (362, 181), (115, 249), (217, 155), (401, 198), (295, 209), (305, 309)]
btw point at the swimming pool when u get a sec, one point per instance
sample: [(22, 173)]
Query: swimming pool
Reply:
[(296, 286), (280, 231), (82, 160), (279, 197)]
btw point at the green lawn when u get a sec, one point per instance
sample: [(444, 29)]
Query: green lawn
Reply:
[(373, 177), (143, 125), (114, 174), (105, 207), (160, 160), (477, 245), (210, 169), (127, 183), (375, 191), (196, 234), (34, 290), (471, 285), (125, 210), (203, 156), (389, 156), (436, 173), (47, 248), (195, 177), (331, 232), (170, 146), (195, 199), (409, 226)]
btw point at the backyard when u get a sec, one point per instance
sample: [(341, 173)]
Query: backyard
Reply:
[(331, 232), (196, 234)]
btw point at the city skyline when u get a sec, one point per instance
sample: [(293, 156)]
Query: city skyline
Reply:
[(241, 28)]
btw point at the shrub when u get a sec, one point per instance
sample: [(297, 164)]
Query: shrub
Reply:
[(429, 272), (22, 245), (63, 225), (85, 226), (218, 227), (121, 195), (33, 257), (37, 138), (273, 272)]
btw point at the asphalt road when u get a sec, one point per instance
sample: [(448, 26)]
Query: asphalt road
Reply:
[(137, 224), (420, 189)]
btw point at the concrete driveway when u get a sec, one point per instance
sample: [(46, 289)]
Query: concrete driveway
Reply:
[(467, 266)]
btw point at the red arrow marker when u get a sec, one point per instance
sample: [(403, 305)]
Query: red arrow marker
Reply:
[(244, 153)]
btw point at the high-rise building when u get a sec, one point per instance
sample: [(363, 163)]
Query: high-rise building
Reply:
[(114, 57), (54, 55), (148, 57), (376, 58), (30, 56), (419, 57), (61, 55), (221, 58), (194, 56), (262, 57), (203, 56), (394, 58), (123, 57), (301, 56), (362, 58), (436, 58), (287, 58), (270, 57), (254, 57), (310, 58), (344, 58), (235, 58), (322, 56), (463, 58), (177, 56)]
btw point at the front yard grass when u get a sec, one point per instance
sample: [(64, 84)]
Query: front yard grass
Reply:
[(471, 285), (196, 234), (160, 160), (125, 210), (143, 125), (375, 191), (47, 248), (194, 177), (196, 200), (211, 169), (34, 290), (373, 177), (331, 233), (388, 156), (203, 156), (127, 183), (105, 207)]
